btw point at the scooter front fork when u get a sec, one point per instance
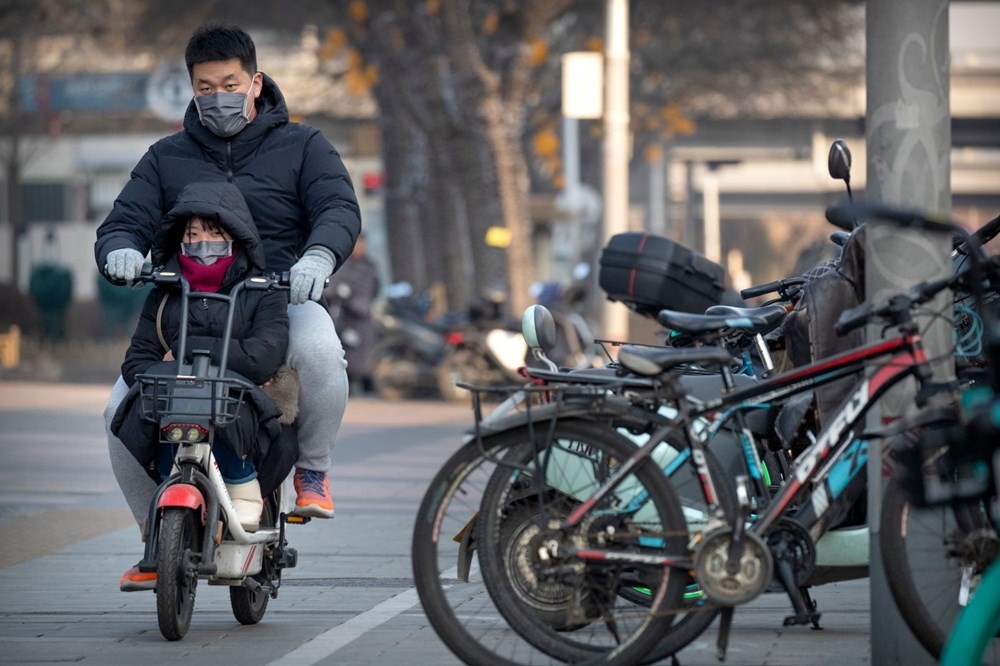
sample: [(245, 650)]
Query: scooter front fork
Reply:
[(205, 558)]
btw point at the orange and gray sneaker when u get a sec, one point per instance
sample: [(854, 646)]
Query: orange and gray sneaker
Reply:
[(312, 490), (134, 580)]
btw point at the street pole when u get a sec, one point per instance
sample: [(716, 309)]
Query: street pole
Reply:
[(710, 211), (616, 147), (908, 137)]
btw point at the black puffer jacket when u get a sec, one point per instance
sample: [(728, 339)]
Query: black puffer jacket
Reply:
[(294, 182), (257, 348), (260, 321)]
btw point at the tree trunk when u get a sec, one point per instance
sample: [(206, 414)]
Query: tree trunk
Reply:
[(506, 178)]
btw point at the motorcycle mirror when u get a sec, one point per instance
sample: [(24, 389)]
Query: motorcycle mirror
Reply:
[(839, 161), (839, 164)]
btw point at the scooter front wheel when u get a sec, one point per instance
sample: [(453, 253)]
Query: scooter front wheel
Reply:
[(176, 577)]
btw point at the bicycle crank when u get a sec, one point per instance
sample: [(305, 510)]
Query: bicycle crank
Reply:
[(731, 578)]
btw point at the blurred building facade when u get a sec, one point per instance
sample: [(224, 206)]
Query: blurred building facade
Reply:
[(769, 171)]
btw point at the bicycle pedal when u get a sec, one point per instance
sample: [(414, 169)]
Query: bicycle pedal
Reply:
[(295, 519)]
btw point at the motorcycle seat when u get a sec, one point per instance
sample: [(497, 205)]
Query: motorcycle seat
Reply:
[(655, 361)]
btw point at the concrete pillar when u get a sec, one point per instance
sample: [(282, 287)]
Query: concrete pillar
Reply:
[(908, 135)]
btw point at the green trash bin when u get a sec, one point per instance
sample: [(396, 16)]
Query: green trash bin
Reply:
[(120, 306), (51, 288)]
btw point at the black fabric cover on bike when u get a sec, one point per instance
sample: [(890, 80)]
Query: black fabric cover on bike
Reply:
[(272, 446), (809, 329)]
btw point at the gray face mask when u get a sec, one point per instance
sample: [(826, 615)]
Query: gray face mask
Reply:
[(224, 113), (207, 252)]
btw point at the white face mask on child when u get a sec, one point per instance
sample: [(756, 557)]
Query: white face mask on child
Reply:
[(207, 252)]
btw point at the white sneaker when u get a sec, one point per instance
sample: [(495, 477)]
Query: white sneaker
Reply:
[(247, 502)]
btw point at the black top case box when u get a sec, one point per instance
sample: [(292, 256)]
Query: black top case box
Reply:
[(649, 273)]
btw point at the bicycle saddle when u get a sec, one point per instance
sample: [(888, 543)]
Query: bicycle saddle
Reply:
[(653, 361), (773, 314), (751, 320)]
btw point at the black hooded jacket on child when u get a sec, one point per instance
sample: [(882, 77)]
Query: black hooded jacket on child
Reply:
[(256, 350)]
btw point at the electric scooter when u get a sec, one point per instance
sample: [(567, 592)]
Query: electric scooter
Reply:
[(192, 531)]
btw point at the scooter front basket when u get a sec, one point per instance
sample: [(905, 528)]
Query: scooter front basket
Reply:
[(191, 398)]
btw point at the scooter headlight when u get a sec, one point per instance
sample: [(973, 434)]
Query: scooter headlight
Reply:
[(184, 432)]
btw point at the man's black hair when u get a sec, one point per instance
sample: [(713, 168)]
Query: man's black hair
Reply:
[(214, 42)]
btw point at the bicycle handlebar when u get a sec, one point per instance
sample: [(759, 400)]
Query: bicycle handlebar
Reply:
[(898, 307), (156, 275), (770, 287), (982, 235), (844, 216)]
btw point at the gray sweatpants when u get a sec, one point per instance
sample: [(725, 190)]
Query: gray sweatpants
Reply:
[(315, 351)]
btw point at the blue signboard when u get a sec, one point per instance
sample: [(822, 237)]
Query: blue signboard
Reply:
[(123, 91)]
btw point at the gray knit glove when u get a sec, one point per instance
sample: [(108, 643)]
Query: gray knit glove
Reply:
[(124, 264), (309, 274)]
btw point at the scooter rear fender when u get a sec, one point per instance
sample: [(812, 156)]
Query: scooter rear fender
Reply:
[(183, 495)]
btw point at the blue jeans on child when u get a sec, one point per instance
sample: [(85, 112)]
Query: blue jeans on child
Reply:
[(234, 469)]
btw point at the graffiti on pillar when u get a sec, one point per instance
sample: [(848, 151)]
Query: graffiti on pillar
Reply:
[(912, 133)]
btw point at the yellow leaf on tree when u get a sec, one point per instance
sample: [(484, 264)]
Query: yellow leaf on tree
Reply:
[(677, 122), (653, 152), (545, 142), (358, 11), (594, 44), (539, 52), (357, 82), (433, 7), (336, 39), (498, 237), (490, 23)]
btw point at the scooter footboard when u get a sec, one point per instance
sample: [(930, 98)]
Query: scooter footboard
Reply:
[(234, 561)]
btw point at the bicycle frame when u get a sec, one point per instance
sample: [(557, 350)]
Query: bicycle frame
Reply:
[(906, 357)]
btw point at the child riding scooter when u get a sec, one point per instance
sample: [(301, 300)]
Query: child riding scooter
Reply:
[(210, 333)]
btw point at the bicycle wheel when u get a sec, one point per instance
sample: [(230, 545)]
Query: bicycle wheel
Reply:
[(446, 568), (176, 579), (933, 560), (572, 608), (697, 612)]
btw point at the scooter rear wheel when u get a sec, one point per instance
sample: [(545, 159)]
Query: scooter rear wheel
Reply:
[(176, 578), (249, 606)]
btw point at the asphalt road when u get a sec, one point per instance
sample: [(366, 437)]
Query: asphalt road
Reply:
[(67, 537)]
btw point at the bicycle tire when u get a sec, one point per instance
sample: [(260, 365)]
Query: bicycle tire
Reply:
[(451, 592), (176, 582), (572, 614), (924, 578), (977, 626)]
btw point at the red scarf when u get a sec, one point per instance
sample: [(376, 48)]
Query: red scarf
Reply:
[(202, 277)]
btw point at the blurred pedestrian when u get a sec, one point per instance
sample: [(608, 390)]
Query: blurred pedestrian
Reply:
[(351, 293)]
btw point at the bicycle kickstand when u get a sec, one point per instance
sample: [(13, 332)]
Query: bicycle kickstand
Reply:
[(725, 624)]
